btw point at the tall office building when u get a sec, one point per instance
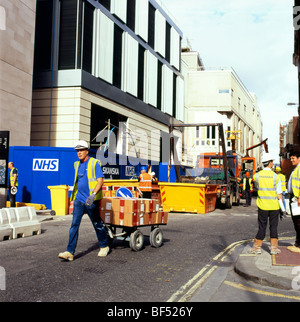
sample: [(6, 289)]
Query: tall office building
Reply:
[(17, 29), (106, 63)]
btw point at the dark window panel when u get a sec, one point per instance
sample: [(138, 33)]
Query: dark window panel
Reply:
[(117, 72), (43, 35), (159, 84), (151, 26), (168, 42), (174, 94), (105, 3), (141, 72), (131, 14), (67, 34), (88, 38)]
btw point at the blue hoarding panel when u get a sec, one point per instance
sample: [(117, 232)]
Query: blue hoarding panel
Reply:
[(40, 167)]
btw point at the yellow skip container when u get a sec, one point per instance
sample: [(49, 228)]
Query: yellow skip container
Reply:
[(188, 197)]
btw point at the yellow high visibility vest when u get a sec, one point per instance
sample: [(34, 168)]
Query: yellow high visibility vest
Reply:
[(296, 182), (283, 182), (250, 183), (91, 173), (11, 177), (266, 182)]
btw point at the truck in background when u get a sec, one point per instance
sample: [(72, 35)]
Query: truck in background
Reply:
[(221, 169)]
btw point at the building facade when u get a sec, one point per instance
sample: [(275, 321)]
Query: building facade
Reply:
[(113, 64), (219, 96), (288, 142), (17, 30)]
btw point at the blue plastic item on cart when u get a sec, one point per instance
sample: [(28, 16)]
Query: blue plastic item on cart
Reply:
[(124, 193)]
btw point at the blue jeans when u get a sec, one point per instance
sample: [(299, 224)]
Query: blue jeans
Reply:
[(283, 199), (93, 212)]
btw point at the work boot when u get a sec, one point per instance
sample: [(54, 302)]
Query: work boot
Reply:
[(103, 252), (256, 248), (294, 249), (274, 246), (66, 255)]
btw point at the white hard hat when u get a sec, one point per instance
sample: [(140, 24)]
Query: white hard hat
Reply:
[(81, 144), (267, 157)]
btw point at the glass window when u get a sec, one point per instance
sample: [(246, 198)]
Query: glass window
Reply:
[(168, 42), (131, 14), (88, 38), (151, 26), (117, 72), (141, 63), (159, 85), (43, 35), (224, 91), (67, 34), (105, 3)]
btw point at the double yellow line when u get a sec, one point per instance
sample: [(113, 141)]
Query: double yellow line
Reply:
[(195, 283), (187, 290), (254, 290)]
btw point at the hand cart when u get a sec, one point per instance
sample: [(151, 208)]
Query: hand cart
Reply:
[(135, 236)]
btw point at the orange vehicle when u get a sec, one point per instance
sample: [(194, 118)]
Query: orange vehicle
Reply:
[(248, 164)]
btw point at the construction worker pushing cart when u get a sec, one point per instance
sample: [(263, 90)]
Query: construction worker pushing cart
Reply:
[(269, 202), (86, 195)]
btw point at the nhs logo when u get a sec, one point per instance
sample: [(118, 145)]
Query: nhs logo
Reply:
[(45, 164)]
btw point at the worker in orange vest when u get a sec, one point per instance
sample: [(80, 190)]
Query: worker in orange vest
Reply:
[(145, 182)]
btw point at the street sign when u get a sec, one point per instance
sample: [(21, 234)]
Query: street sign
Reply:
[(4, 147)]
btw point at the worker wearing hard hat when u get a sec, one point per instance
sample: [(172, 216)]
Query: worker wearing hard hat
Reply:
[(248, 188), (87, 193), (293, 189), (145, 182), (283, 183), (269, 192)]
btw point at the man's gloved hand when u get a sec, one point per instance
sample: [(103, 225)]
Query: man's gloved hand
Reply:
[(89, 201)]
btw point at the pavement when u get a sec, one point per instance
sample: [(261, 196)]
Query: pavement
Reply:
[(264, 269)]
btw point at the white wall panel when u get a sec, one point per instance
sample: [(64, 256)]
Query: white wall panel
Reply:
[(103, 46), (141, 18), (150, 87), (160, 33), (167, 90), (180, 99), (95, 44), (130, 64), (119, 8), (175, 48)]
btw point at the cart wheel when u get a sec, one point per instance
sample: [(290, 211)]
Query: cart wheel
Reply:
[(136, 240), (156, 237)]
